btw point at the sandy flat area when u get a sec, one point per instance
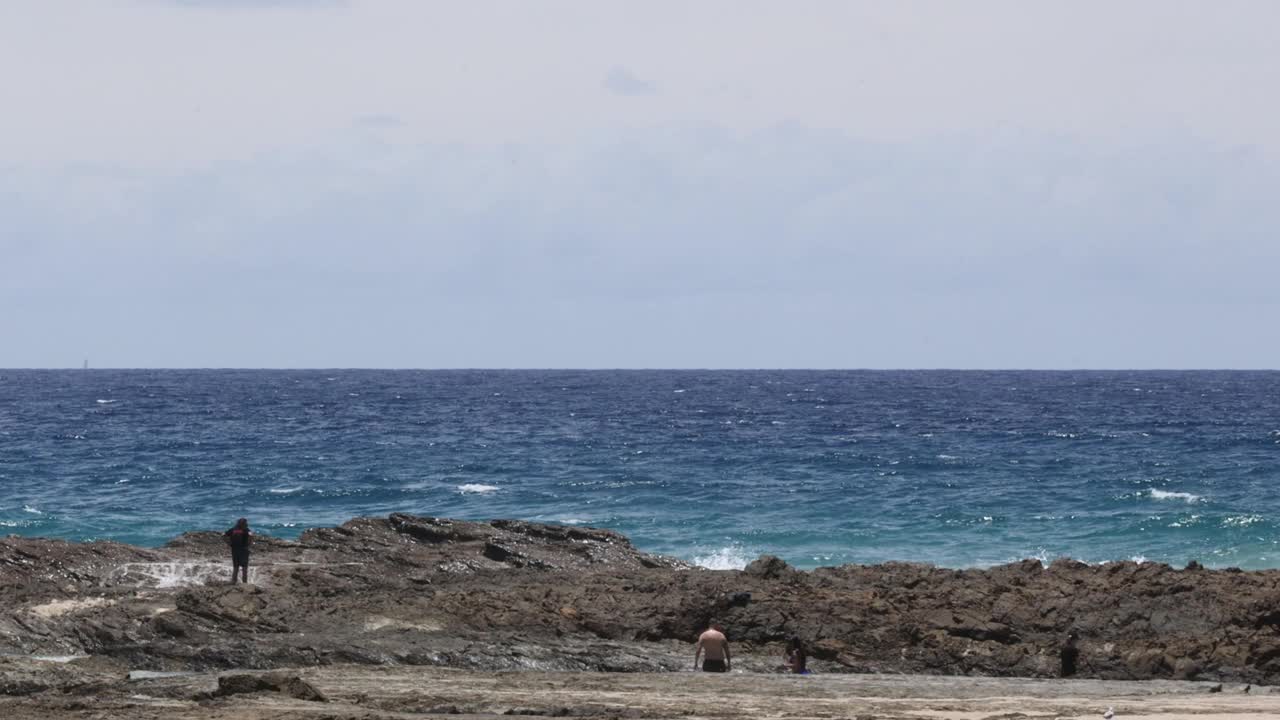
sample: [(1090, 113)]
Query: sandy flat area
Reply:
[(403, 692)]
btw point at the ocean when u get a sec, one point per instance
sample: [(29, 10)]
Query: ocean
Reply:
[(959, 469)]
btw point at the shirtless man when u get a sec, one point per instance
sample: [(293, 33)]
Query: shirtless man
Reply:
[(716, 647)]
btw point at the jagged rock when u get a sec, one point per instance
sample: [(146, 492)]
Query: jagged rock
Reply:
[(25, 676), (290, 685), (769, 567), (512, 594), (1186, 669)]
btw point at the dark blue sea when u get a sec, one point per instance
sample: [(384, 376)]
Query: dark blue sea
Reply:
[(959, 469)]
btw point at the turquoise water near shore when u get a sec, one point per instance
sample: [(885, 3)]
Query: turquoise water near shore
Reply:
[(820, 467)]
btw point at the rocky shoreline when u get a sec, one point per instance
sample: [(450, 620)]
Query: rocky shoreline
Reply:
[(415, 592)]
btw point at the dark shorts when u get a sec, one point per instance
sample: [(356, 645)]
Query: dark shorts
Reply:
[(713, 666), (240, 557)]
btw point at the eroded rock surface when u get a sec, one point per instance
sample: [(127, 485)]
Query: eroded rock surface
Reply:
[(513, 595)]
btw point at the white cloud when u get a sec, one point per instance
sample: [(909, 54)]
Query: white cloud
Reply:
[(816, 183), (904, 240)]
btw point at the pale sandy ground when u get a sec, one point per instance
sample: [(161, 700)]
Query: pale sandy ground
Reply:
[(406, 692)]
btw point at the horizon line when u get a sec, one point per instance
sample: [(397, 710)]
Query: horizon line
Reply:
[(633, 369)]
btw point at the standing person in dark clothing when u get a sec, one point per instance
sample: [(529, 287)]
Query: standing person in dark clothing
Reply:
[(1068, 654), (239, 538)]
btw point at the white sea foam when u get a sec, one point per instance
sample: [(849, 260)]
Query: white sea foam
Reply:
[(33, 511), (1158, 494), (732, 557), (285, 490), (477, 489), (175, 574), (105, 402), (1241, 520), (572, 521)]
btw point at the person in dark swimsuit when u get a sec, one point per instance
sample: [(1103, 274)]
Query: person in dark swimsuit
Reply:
[(239, 538), (797, 660), (715, 646)]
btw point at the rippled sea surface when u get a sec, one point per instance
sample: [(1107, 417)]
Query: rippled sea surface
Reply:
[(955, 468)]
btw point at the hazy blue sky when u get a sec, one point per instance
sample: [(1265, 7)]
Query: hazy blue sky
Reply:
[(405, 183)]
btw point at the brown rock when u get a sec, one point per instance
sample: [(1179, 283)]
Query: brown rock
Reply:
[(290, 685), (511, 594)]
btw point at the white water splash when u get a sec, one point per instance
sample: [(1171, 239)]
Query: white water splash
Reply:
[(1157, 494), (477, 489), (176, 574), (731, 557), (1042, 555), (1241, 520)]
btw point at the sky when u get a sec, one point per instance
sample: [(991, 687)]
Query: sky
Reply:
[(599, 184)]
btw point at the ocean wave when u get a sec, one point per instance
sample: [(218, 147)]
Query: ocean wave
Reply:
[(32, 510), (731, 557), (1047, 558), (477, 489), (285, 490), (1241, 520), (106, 402), (1158, 494)]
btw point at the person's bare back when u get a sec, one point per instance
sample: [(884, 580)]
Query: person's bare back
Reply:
[(715, 646)]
